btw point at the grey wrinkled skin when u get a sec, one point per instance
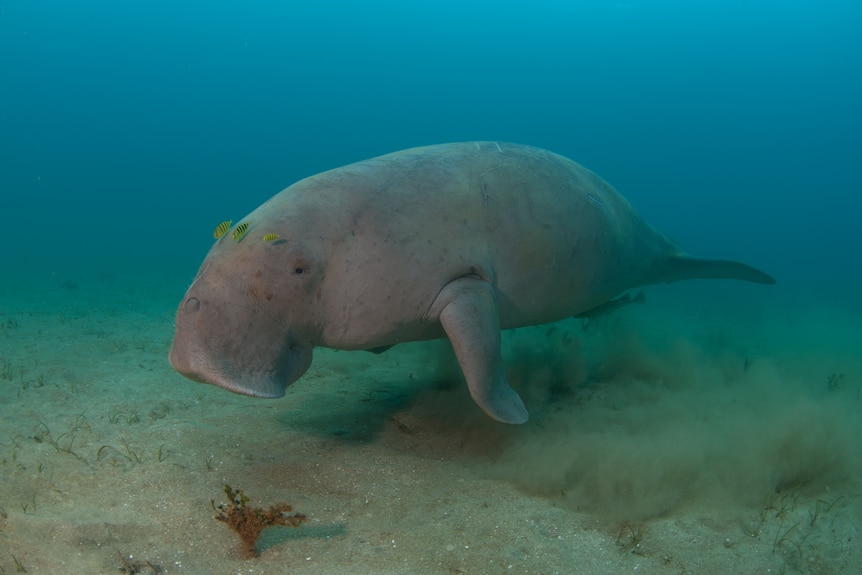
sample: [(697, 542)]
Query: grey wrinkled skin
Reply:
[(454, 240)]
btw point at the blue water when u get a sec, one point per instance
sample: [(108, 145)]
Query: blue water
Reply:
[(129, 129)]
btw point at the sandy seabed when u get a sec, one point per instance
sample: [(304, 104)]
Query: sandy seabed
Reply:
[(681, 436)]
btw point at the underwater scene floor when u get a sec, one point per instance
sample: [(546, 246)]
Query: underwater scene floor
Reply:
[(706, 432)]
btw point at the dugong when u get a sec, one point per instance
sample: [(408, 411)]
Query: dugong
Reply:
[(453, 240)]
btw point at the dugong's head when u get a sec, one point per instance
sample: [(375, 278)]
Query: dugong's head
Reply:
[(247, 321)]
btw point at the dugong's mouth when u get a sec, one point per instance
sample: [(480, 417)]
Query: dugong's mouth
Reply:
[(258, 380), (258, 362)]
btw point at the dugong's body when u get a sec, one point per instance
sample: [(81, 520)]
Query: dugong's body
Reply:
[(456, 240)]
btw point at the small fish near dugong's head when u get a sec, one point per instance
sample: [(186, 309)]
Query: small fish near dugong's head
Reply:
[(454, 240)]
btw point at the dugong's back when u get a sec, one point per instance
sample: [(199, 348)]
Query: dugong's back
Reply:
[(557, 233), (550, 236)]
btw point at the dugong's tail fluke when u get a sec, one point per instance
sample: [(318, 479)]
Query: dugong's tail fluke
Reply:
[(681, 267)]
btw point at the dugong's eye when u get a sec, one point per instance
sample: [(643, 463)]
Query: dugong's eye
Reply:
[(300, 264)]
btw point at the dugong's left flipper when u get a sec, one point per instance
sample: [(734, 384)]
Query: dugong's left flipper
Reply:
[(467, 310)]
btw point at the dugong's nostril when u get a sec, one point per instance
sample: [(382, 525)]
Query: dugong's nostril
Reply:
[(192, 304)]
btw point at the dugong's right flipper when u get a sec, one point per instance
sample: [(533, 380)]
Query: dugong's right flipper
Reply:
[(467, 310)]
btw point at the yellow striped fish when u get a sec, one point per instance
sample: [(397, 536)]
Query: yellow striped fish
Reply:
[(221, 229), (239, 231), (270, 237)]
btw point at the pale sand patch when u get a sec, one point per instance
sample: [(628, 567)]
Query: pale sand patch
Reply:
[(662, 440)]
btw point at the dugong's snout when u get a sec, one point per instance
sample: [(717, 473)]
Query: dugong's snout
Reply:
[(250, 358)]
